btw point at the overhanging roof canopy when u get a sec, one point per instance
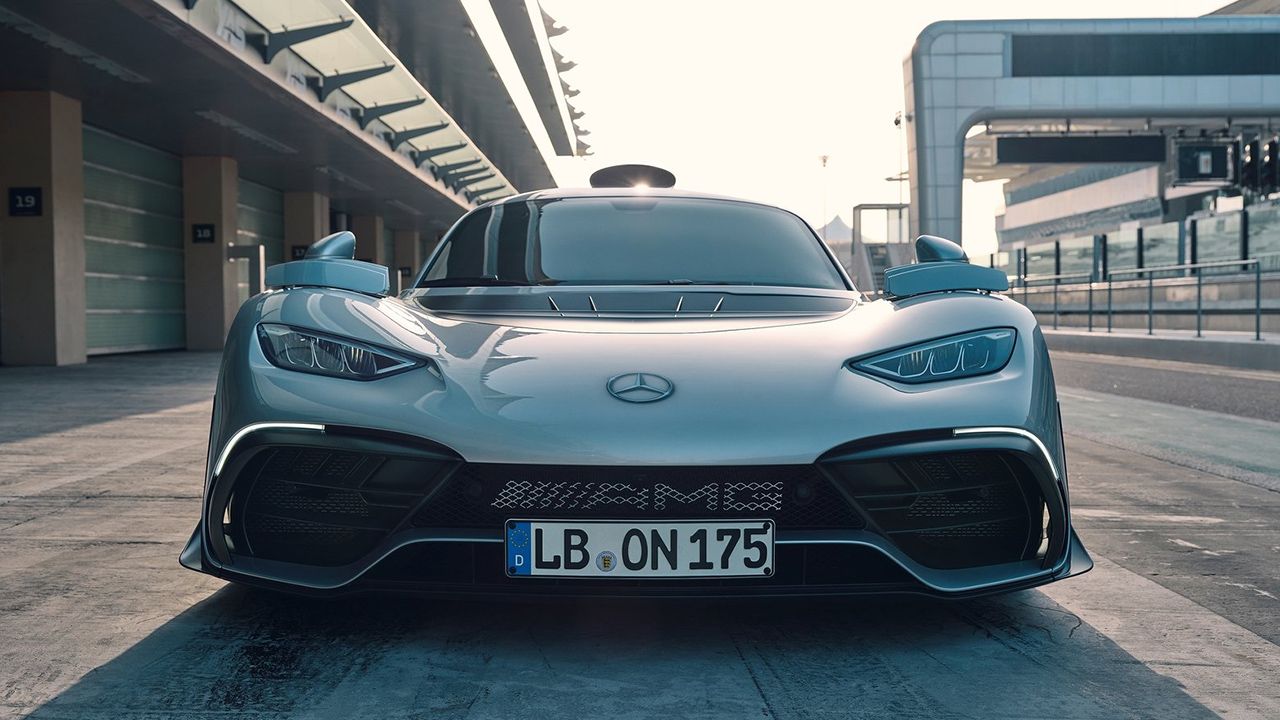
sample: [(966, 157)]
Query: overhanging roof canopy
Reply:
[(356, 51)]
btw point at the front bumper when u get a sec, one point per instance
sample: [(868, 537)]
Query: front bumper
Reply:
[(343, 510)]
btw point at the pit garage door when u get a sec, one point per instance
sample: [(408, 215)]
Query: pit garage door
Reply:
[(260, 221), (133, 246)]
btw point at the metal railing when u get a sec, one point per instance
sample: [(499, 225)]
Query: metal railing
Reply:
[(1195, 269)]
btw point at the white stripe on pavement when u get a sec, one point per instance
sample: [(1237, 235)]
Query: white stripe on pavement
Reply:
[(1223, 666)]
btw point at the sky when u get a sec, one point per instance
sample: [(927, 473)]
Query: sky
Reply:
[(742, 97)]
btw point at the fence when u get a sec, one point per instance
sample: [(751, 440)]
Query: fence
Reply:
[(1254, 266)]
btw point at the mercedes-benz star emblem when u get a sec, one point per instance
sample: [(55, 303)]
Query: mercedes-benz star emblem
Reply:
[(640, 387)]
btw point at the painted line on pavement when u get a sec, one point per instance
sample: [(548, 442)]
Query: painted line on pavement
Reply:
[(1220, 664)]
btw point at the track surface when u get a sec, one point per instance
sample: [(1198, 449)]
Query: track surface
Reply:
[(99, 487)]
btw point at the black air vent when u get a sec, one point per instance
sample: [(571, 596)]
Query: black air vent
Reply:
[(691, 302), (950, 510), (324, 507)]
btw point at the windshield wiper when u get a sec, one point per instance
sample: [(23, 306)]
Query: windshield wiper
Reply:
[(477, 281)]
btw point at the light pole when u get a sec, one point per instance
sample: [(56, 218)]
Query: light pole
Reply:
[(825, 223)]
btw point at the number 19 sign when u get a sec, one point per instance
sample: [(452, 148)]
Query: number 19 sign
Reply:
[(26, 202)]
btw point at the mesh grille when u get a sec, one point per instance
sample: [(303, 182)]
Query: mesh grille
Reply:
[(282, 538), (288, 496), (324, 507), (485, 495), (950, 510)]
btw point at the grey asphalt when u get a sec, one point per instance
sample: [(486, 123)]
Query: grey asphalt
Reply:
[(1245, 393), (99, 486)]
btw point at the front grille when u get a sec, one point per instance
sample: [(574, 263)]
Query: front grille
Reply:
[(323, 507), (951, 510), (485, 495)]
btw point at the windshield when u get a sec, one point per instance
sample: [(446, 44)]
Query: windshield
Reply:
[(632, 241)]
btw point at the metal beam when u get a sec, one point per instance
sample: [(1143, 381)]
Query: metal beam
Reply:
[(459, 183), (421, 156), (269, 44), (326, 84), (481, 192), (562, 65), (453, 177), (400, 137), (553, 28), (369, 114), (444, 169), (440, 172), (459, 174)]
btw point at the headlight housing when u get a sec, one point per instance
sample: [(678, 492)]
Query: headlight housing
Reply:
[(949, 358), (319, 354)]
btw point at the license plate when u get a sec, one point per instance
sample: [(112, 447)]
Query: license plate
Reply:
[(625, 549)]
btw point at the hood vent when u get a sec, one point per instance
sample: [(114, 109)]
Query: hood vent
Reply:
[(657, 303)]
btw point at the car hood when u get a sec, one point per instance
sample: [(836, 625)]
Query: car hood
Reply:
[(754, 387)]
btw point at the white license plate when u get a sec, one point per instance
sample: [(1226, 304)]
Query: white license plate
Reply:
[(626, 549)]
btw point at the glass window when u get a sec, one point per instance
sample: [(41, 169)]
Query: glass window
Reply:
[(630, 240), (1218, 238), (1264, 230), (1153, 54), (1041, 260), (1075, 257), (1009, 263), (1160, 246), (1122, 249)]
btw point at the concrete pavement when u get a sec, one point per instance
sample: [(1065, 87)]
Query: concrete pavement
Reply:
[(99, 487)]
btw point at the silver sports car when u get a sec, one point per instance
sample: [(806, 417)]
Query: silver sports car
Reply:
[(636, 391)]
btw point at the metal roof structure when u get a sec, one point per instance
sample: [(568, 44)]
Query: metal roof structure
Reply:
[(416, 110)]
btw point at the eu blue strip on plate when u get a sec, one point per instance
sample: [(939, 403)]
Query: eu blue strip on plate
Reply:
[(519, 557)]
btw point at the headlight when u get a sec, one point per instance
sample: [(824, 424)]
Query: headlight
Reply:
[(311, 352), (958, 356)]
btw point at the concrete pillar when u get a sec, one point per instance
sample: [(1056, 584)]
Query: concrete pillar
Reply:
[(306, 219), (368, 231), (209, 192), (408, 255), (42, 294)]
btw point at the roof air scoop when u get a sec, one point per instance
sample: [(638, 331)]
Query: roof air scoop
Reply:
[(331, 263), (632, 176), (931, 248), (338, 245), (942, 267)]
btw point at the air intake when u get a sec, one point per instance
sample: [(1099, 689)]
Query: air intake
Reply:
[(951, 510), (323, 507)]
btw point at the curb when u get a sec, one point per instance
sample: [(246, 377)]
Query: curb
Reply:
[(1242, 354)]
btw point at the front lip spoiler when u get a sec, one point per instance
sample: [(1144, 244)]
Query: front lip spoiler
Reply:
[(938, 583)]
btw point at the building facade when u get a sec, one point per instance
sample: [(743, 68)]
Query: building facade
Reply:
[(156, 154)]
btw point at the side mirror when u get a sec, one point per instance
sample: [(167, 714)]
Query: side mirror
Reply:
[(942, 266), (330, 263)]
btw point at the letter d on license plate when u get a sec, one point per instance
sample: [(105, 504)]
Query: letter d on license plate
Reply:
[(684, 548)]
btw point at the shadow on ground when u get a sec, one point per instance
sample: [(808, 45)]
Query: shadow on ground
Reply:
[(54, 399), (258, 654)]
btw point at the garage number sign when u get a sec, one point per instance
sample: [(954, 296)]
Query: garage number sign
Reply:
[(202, 233), (26, 202)]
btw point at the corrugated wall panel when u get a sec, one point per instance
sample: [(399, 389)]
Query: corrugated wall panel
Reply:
[(259, 221), (133, 246)]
